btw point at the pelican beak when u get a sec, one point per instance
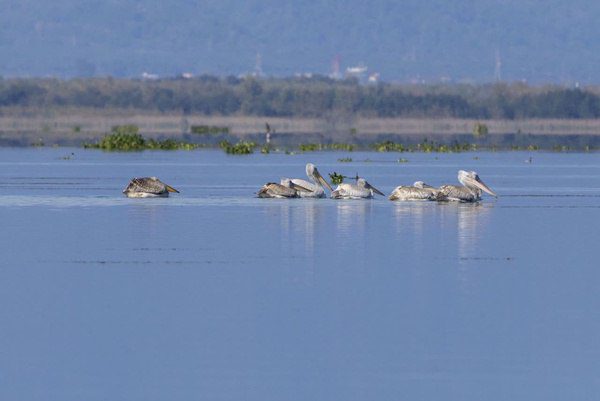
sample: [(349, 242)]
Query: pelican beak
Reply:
[(481, 185), (369, 186), (299, 187), (171, 189), (322, 180)]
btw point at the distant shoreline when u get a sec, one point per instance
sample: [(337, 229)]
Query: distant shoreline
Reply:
[(76, 127)]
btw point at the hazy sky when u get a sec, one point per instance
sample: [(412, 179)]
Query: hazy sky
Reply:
[(461, 40)]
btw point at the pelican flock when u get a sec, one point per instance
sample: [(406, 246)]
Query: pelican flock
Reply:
[(471, 189)]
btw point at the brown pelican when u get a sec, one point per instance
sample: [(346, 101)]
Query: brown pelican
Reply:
[(287, 189), (147, 187), (469, 192), (361, 190), (418, 191), (316, 188)]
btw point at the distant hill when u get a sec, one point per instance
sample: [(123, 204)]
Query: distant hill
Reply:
[(410, 40)]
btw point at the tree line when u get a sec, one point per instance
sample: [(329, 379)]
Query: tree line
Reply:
[(303, 97)]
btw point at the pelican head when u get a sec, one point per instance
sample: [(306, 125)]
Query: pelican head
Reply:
[(471, 180), (421, 185), (312, 172), (361, 182)]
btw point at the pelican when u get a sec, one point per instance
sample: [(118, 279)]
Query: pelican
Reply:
[(361, 190), (469, 192), (287, 189), (147, 187), (418, 191), (316, 188)]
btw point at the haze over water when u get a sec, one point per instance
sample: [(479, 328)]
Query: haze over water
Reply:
[(214, 294)]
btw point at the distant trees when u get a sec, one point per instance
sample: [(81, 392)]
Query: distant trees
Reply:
[(302, 97)]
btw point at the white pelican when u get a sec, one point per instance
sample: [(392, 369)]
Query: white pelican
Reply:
[(316, 188), (147, 187), (418, 191), (285, 190), (469, 192), (361, 190)]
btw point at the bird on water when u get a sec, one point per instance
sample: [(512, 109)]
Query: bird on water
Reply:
[(316, 188), (418, 191), (361, 190), (287, 189), (147, 187), (470, 191)]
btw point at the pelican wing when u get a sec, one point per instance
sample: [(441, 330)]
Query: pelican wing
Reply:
[(457, 193), (148, 185), (351, 191), (274, 190), (404, 193), (316, 191)]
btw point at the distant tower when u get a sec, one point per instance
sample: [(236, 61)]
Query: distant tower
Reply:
[(498, 68), (258, 66), (335, 67)]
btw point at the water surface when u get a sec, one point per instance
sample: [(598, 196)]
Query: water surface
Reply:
[(214, 294)]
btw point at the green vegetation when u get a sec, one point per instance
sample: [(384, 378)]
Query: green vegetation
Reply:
[(317, 97), (313, 147), (240, 148), (341, 146), (336, 179), (345, 160), (480, 129), (126, 138), (425, 146), (389, 146), (310, 147)]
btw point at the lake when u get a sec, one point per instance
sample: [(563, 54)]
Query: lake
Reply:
[(214, 294)]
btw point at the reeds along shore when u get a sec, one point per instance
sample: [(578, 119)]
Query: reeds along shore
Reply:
[(75, 127)]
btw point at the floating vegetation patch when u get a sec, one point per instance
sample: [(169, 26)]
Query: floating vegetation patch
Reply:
[(313, 147), (341, 146), (389, 146), (208, 129), (126, 138), (336, 179), (430, 146), (425, 146), (240, 148), (402, 160), (310, 147), (528, 147), (345, 160), (561, 148)]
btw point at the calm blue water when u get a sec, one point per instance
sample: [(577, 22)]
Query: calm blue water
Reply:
[(213, 294)]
